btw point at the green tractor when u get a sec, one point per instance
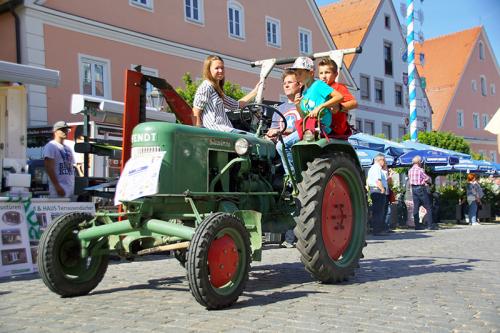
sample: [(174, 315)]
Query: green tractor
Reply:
[(207, 197)]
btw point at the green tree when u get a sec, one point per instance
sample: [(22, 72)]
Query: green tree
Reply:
[(477, 156), (446, 140), (190, 86)]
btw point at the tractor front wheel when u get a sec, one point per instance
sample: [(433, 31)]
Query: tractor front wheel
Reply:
[(218, 261), (331, 225), (60, 264)]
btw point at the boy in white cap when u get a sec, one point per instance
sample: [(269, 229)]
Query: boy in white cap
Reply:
[(59, 161), (316, 96)]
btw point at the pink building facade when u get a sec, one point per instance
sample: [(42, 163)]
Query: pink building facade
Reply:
[(476, 101), (93, 48), (462, 81)]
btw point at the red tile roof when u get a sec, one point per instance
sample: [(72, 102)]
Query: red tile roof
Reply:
[(445, 60), (348, 21)]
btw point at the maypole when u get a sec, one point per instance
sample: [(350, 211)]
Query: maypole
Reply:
[(412, 92)]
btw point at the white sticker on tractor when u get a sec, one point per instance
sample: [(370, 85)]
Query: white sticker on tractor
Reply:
[(140, 177)]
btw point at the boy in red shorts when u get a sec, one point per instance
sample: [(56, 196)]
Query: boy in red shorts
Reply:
[(328, 72)]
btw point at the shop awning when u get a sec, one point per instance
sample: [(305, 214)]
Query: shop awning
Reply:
[(422, 146), (11, 72), (391, 148)]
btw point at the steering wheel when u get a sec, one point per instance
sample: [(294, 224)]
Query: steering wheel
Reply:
[(255, 114)]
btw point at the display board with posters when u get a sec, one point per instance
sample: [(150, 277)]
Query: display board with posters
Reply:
[(21, 226), (44, 213), (14, 240)]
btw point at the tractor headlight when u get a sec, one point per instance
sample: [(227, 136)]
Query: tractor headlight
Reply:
[(241, 146)]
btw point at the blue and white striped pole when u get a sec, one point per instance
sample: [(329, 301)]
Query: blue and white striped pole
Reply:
[(412, 92)]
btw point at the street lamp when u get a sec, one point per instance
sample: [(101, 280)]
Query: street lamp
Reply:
[(156, 98)]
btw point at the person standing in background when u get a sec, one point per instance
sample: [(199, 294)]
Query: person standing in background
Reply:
[(377, 183), (389, 198), (419, 182), (59, 161), (474, 196)]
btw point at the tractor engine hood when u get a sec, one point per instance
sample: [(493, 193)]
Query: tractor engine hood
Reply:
[(160, 136), (190, 152)]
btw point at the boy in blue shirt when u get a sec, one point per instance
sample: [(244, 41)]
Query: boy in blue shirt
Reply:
[(317, 95)]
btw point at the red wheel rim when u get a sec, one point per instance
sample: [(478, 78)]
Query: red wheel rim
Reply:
[(223, 260), (337, 217)]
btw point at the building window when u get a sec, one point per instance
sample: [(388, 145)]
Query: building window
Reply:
[(273, 32), (398, 95), (305, 41), (94, 76), (235, 20), (402, 131), (482, 154), (369, 127), (388, 58), (493, 89), (493, 156), (474, 85), (379, 91), (148, 4), (475, 120), (193, 10), (481, 50), (484, 91), (387, 22), (424, 126), (387, 131), (359, 125), (460, 119), (486, 119), (365, 86)]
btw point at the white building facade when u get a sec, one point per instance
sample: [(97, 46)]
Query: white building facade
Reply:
[(380, 72)]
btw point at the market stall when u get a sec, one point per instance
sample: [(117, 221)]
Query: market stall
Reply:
[(22, 218)]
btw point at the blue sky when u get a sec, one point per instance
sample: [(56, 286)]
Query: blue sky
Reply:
[(442, 17)]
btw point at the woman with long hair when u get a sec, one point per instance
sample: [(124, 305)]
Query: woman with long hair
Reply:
[(210, 101), (474, 195)]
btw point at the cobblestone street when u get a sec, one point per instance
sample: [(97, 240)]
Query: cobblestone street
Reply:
[(412, 281)]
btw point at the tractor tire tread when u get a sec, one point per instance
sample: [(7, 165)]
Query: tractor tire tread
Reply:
[(310, 245), (196, 262), (47, 260)]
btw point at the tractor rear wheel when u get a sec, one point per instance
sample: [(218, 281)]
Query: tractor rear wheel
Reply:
[(331, 225), (60, 264), (218, 261)]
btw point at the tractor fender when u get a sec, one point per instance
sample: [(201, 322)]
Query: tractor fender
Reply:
[(304, 152), (253, 223)]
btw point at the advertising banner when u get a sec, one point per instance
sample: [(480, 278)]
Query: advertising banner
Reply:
[(44, 213), (21, 226), (14, 240)]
